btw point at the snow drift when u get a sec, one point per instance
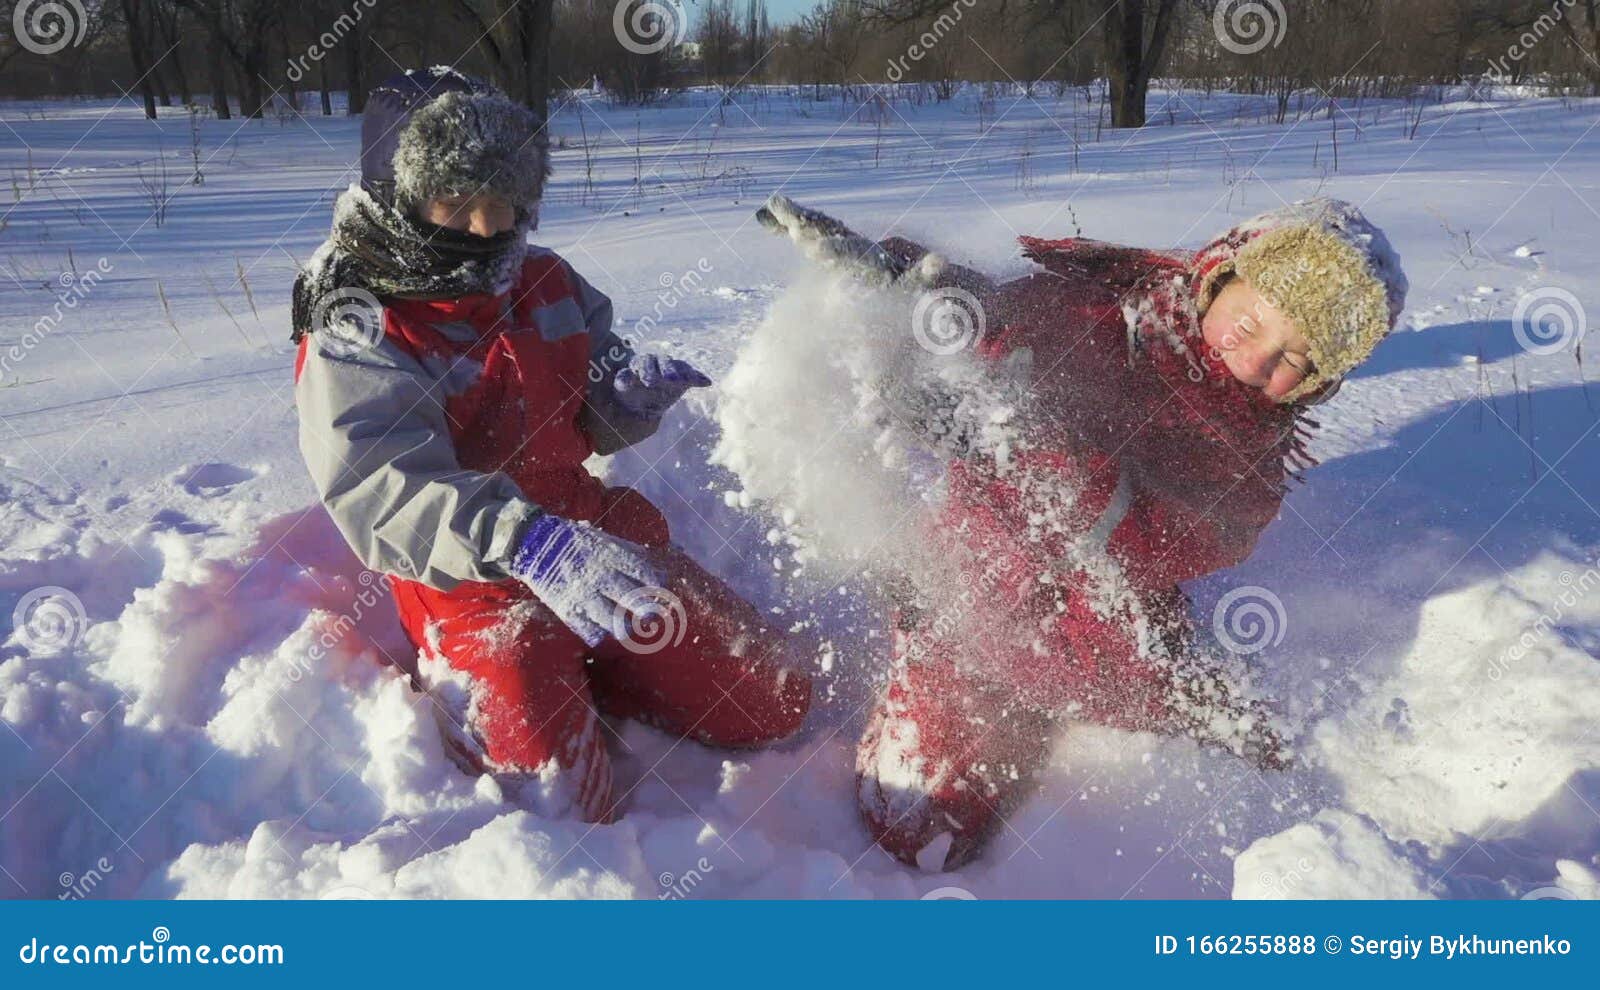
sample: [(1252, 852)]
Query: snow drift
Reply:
[(221, 717)]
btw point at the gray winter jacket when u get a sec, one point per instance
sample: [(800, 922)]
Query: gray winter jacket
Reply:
[(376, 438)]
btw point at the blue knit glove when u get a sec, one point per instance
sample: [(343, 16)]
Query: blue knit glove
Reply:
[(649, 385), (590, 579)]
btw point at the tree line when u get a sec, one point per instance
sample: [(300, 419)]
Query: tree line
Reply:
[(259, 57)]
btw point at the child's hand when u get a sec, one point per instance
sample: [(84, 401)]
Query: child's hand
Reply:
[(829, 242), (891, 261), (649, 385), (590, 579)]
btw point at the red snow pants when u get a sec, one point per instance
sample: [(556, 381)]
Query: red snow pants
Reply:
[(539, 691), (950, 752), (967, 720)]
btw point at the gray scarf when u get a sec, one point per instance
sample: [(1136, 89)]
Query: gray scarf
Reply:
[(379, 249)]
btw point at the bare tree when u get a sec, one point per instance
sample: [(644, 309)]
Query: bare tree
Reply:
[(1133, 33), (720, 42), (757, 38), (166, 17), (1132, 56), (217, 73), (242, 29), (515, 34), (1576, 21), (10, 47), (1329, 49), (355, 65), (837, 29), (133, 30)]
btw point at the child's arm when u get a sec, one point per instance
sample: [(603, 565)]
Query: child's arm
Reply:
[(608, 425), (892, 261), (374, 436), (628, 393), (1084, 538), (375, 439), (1201, 505), (1203, 480)]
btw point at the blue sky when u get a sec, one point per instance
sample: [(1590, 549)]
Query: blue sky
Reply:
[(785, 11), (778, 11)]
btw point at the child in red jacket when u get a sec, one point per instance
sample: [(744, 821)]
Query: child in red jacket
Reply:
[(1163, 419), (451, 381)]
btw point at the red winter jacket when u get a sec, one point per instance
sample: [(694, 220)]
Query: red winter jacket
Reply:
[(434, 445), (1126, 382), (1148, 465)]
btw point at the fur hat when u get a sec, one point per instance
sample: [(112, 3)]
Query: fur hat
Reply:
[(434, 132), (1325, 266)]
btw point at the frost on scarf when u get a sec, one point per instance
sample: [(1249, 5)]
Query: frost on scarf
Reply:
[(378, 249)]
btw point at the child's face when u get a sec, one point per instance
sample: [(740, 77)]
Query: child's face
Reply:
[(1259, 345), (483, 214)]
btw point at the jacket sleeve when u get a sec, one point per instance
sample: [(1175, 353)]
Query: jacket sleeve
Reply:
[(375, 439), (1176, 536), (1213, 494), (609, 425), (1203, 500), (1123, 649)]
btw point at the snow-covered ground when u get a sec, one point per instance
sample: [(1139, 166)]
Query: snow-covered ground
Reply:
[(198, 704)]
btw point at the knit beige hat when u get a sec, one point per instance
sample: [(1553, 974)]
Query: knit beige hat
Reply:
[(1325, 266)]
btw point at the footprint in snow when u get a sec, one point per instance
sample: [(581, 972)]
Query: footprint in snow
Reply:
[(174, 521), (211, 480)]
